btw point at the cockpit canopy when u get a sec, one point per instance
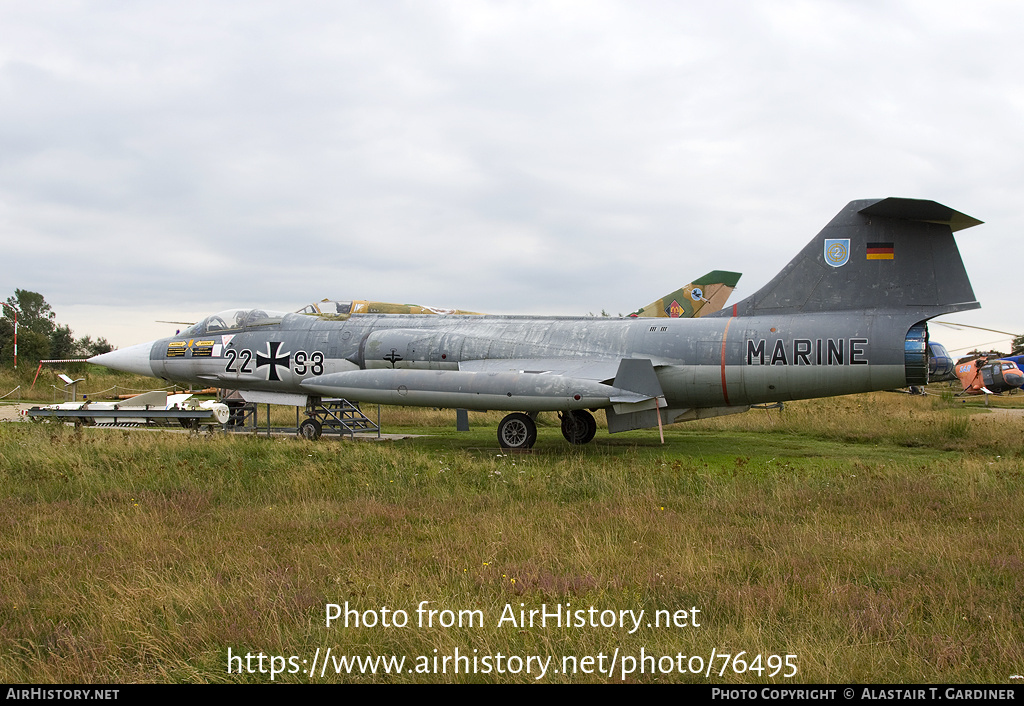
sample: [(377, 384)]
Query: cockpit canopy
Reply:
[(234, 320), (330, 306)]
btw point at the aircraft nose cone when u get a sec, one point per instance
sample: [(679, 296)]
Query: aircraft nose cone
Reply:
[(1013, 379), (134, 359)]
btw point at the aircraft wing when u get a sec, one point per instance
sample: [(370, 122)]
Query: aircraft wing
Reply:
[(630, 381), (597, 369)]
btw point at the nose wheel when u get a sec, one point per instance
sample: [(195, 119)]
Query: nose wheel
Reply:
[(310, 429), (517, 431), (578, 426)]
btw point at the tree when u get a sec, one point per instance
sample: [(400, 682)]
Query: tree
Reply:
[(6, 338), (32, 347), (34, 314), (86, 347), (40, 337), (62, 343), (37, 328), (1018, 345)]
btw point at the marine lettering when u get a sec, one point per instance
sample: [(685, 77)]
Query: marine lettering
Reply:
[(752, 351), (801, 351), (857, 350), (835, 352), (779, 354)]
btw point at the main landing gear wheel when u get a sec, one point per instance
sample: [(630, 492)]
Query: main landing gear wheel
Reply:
[(310, 429), (517, 431), (578, 426)]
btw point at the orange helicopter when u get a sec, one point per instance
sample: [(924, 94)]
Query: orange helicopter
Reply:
[(988, 375)]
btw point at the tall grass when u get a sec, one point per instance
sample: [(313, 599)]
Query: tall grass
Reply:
[(856, 533), (943, 423)]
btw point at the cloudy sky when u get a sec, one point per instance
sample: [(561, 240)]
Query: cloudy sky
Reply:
[(168, 160)]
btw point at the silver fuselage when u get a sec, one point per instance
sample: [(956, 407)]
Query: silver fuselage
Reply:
[(699, 362)]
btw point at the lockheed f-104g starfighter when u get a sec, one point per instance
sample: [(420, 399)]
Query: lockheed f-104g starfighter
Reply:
[(848, 314)]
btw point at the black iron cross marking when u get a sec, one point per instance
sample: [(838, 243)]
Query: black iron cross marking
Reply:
[(273, 360), (393, 357)]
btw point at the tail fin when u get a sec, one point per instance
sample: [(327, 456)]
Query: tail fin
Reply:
[(701, 297), (875, 254)]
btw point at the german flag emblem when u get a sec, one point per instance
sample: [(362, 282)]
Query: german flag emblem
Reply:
[(880, 251)]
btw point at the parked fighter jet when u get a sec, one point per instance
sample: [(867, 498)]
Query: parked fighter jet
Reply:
[(989, 376), (701, 297), (848, 314), (341, 310)]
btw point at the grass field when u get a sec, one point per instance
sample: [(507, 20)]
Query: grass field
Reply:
[(877, 538)]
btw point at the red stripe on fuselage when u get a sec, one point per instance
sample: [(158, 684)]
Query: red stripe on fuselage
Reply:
[(725, 333)]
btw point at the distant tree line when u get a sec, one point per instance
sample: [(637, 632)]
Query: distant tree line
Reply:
[(40, 337)]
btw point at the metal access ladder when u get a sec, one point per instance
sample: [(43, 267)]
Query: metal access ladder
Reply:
[(335, 416)]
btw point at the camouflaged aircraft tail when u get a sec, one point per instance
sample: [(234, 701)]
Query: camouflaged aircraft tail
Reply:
[(875, 255), (705, 295)]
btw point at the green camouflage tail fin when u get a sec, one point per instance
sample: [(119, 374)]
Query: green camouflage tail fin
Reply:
[(701, 297)]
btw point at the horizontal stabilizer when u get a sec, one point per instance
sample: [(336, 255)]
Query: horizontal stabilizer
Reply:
[(923, 211)]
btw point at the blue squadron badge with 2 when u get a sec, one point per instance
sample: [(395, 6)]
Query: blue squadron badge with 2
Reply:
[(837, 251)]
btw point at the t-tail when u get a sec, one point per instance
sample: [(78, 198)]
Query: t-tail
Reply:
[(876, 255)]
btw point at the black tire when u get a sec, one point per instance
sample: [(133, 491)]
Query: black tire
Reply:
[(578, 426), (517, 431), (310, 429)]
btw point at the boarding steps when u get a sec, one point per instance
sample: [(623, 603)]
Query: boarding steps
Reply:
[(337, 416)]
